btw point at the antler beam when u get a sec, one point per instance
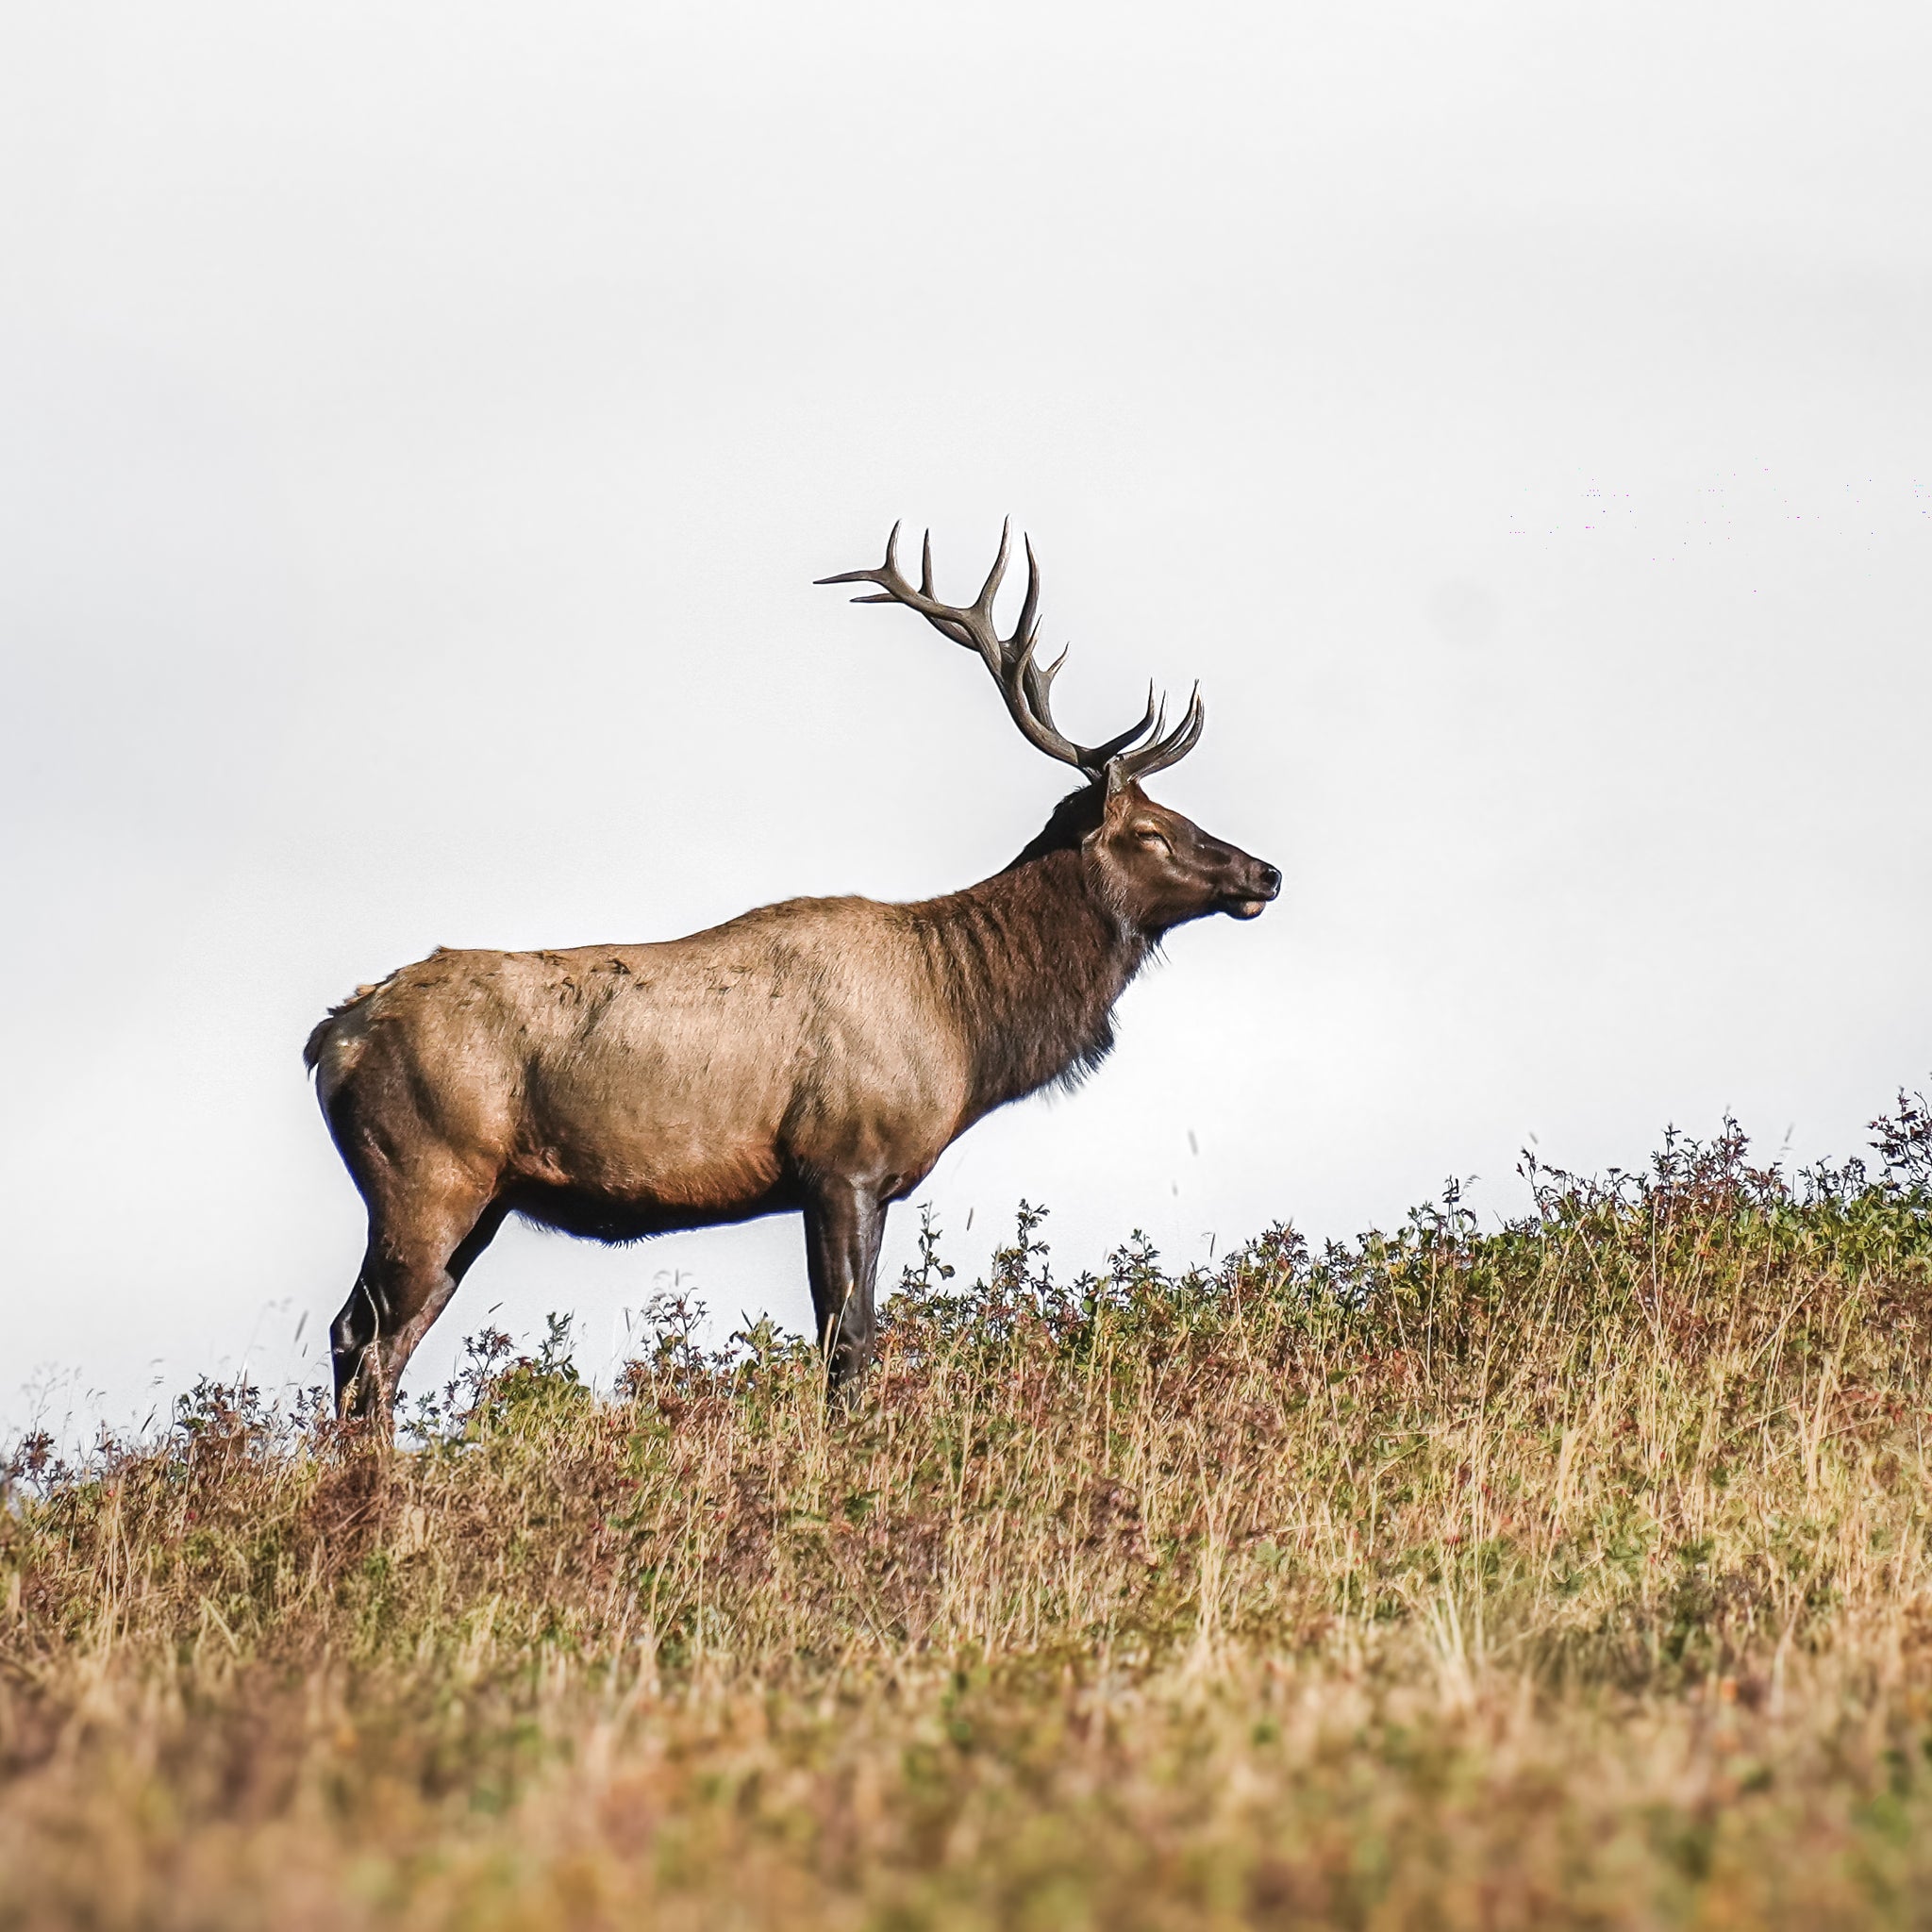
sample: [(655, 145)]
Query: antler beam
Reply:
[(1025, 683)]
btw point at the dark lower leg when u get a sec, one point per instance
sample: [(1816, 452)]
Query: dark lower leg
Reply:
[(843, 1226), (401, 1291), (351, 1337)]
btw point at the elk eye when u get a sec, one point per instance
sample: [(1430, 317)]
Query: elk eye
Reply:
[(1153, 841)]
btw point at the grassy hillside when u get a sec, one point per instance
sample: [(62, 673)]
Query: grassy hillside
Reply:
[(1575, 1573)]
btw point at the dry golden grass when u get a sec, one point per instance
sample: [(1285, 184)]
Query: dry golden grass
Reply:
[(1572, 1574)]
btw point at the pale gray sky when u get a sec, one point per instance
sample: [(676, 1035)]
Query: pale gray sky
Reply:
[(420, 428)]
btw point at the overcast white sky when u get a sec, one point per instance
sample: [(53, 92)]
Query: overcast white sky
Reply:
[(420, 428)]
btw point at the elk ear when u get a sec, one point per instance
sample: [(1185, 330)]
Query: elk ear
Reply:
[(1103, 811), (1111, 810)]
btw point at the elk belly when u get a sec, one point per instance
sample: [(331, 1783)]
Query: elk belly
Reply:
[(668, 1095)]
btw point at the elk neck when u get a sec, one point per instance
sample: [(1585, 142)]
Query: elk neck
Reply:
[(1030, 963)]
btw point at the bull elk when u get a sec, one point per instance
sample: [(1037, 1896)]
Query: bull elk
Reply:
[(815, 1057)]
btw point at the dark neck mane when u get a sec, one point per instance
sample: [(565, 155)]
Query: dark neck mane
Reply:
[(1074, 817), (1032, 960)]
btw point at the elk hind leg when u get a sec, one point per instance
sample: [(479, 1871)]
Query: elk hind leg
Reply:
[(416, 1257)]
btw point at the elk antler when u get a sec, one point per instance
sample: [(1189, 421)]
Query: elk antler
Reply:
[(1025, 683)]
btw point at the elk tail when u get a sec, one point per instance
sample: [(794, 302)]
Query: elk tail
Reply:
[(311, 1051), (318, 1036)]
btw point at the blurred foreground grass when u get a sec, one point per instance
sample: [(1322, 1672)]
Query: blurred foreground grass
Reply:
[(1575, 1574)]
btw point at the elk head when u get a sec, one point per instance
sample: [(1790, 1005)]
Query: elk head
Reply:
[(1156, 869)]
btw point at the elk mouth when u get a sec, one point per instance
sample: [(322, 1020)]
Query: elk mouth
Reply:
[(1245, 899)]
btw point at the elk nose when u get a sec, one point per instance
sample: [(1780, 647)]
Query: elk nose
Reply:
[(1270, 880)]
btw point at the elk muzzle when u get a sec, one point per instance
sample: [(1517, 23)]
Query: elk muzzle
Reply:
[(1252, 883)]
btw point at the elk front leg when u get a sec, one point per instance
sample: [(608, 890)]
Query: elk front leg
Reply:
[(843, 1220)]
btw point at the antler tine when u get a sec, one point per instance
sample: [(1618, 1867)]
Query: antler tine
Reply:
[(895, 589), (1149, 722), (1040, 677), (1029, 610), (1025, 685), (886, 571), (982, 604), (1027, 634), (1158, 755)]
